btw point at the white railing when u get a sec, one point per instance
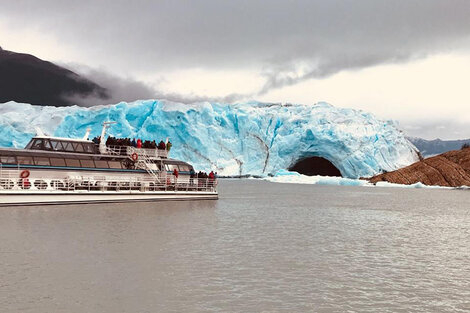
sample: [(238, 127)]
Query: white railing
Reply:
[(129, 151), (10, 180)]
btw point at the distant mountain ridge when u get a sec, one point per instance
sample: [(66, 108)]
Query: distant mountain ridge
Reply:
[(436, 146), (28, 79)]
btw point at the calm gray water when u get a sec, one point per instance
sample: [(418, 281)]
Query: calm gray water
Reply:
[(262, 247)]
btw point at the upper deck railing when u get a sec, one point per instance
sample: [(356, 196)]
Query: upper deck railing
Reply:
[(129, 151)]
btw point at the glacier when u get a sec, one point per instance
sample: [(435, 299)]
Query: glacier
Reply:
[(250, 138)]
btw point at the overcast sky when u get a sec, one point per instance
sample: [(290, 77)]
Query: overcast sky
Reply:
[(404, 60)]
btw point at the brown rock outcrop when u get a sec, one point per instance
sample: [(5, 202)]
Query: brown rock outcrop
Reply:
[(450, 169)]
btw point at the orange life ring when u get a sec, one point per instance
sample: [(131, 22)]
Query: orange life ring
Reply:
[(134, 156), (24, 174)]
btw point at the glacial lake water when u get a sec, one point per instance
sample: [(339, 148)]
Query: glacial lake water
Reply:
[(263, 247)]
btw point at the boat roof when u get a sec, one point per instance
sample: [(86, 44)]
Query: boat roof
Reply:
[(63, 139), (73, 155)]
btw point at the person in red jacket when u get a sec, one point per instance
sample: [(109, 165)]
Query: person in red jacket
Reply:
[(175, 174), (139, 143), (211, 178)]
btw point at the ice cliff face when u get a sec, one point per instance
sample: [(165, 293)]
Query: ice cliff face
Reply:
[(247, 138)]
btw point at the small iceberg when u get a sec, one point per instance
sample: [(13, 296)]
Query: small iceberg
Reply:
[(288, 177)]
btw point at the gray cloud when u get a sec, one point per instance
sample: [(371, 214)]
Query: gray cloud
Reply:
[(334, 35), (129, 89), (286, 41), (445, 129)]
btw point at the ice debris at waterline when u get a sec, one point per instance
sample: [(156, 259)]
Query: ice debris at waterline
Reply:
[(233, 139), (287, 177)]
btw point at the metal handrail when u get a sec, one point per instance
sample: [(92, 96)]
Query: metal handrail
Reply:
[(9, 180), (129, 150)]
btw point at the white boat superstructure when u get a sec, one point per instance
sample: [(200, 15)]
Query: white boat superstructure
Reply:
[(52, 170)]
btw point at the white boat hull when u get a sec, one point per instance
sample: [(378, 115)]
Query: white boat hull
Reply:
[(36, 197)]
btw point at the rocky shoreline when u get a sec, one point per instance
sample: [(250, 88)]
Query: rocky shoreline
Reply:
[(449, 169)]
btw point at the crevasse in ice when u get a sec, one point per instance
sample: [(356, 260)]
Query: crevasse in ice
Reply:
[(233, 139)]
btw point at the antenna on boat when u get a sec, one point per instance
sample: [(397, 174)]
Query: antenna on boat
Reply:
[(103, 133), (88, 130), (39, 132)]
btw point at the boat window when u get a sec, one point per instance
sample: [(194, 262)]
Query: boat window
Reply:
[(77, 147), (7, 159), (30, 143), (41, 161), (171, 167), (56, 145), (67, 146), (101, 164), (47, 145), (25, 160), (37, 144), (114, 164), (57, 162), (72, 162), (89, 147), (87, 163), (184, 168)]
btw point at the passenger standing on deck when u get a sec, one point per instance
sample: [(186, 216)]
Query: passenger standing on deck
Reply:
[(192, 174), (175, 173), (211, 178), (134, 143), (139, 143), (168, 146), (161, 145)]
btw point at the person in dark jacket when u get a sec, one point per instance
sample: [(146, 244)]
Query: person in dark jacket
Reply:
[(161, 145), (192, 175)]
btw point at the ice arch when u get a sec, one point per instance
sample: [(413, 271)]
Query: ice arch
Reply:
[(315, 165)]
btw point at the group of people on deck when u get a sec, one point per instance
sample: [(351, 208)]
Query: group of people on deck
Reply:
[(147, 144), (206, 178)]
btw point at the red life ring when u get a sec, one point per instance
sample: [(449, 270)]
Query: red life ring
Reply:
[(24, 174), (134, 156), (25, 184)]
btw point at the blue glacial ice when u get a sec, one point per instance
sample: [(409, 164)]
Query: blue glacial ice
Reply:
[(250, 138)]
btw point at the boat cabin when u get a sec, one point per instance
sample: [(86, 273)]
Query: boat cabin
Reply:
[(62, 145)]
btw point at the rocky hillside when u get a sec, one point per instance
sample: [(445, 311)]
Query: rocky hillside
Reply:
[(26, 78), (451, 169)]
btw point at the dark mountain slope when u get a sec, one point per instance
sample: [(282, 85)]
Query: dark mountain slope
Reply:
[(25, 78)]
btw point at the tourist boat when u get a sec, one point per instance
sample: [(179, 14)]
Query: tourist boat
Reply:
[(53, 170)]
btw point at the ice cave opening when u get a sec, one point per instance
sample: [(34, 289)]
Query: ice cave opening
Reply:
[(315, 166)]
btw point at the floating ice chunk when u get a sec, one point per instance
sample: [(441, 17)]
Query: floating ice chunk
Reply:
[(296, 178), (287, 177)]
